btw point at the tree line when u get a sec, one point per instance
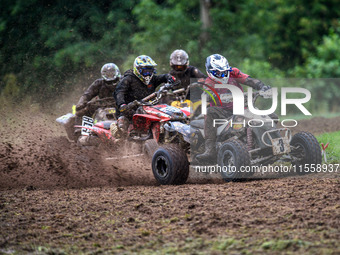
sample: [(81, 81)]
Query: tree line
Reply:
[(45, 44)]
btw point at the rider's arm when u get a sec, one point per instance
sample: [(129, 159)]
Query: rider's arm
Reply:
[(254, 83), (196, 73), (90, 93), (162, 78), (122, 90), (246, 79)]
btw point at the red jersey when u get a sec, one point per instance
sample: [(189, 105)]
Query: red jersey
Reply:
[(236, 78)]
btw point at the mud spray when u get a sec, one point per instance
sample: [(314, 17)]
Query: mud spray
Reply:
[(35, 153)]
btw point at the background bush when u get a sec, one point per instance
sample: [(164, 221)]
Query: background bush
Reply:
[(44, 45)]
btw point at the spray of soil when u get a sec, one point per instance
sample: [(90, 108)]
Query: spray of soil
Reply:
[(35, 153)]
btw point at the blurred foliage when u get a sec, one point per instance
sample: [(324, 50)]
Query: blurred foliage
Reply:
[(297, 29), (324, 63), (45, 44), (260, 69)]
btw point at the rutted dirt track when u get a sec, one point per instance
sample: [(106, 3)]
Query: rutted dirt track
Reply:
[(58, 199)]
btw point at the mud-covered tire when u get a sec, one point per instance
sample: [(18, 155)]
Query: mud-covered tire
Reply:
[(235, 154), (150, 146), (184, 173), (308, 150), (170, 165)]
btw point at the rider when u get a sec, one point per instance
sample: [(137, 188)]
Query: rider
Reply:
[(220, 72), (103, 88), (137, 84), (180, 69)]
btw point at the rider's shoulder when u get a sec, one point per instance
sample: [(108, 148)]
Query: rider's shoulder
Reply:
[(236, 73), (235, 70), (98, 82), (128, 72), (128, 75)]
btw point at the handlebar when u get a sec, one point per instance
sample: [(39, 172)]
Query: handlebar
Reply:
[(164, 90), (93, 104), (151, 96)]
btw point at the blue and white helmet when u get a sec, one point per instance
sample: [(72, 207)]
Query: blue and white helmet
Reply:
[(218, 68)]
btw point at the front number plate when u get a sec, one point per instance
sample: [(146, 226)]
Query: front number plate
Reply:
[(87, 122), (280, 146)]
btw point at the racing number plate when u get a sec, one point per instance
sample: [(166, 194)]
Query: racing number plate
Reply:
[(280, 145), (87, 122)]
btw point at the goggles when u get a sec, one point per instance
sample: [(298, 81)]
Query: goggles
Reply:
[(220, 74), (110, 75), (146, 71), (179, 67)]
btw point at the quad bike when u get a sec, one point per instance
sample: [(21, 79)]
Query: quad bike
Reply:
[(241, 142), (152, 122), (90, 130), (237, 145), (152, 125)]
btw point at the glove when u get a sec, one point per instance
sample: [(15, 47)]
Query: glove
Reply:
[(171, 79), (127, 107), (81, 106), (265, 88), (123, 108)]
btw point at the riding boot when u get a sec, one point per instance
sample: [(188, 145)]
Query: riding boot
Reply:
[(123, 123), (119, 129), (210, 151), (210, 141)]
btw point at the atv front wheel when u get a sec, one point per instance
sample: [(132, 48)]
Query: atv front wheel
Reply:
[(231, 156), (305, 152), (170, 165), (150, 146)]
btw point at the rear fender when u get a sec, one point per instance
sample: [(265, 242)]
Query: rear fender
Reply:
[(102, 133), (156, 130), (179, 127), (143, 122)]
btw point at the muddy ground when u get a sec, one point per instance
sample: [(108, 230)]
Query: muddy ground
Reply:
[(58, 199)]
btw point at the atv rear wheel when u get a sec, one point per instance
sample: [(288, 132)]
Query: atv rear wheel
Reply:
[(231, 156), (307, 151), (170, 165)]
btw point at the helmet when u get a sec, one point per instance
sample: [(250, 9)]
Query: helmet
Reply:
[(218, 68), (179, 60), (144, 68), (110, 72)]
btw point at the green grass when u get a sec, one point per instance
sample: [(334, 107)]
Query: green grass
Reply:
[(333, 150)]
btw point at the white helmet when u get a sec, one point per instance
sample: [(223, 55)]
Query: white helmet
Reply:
[(218, 68), (110, 72)]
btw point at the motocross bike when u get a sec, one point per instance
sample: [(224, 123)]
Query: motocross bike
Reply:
[(252, 140)]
